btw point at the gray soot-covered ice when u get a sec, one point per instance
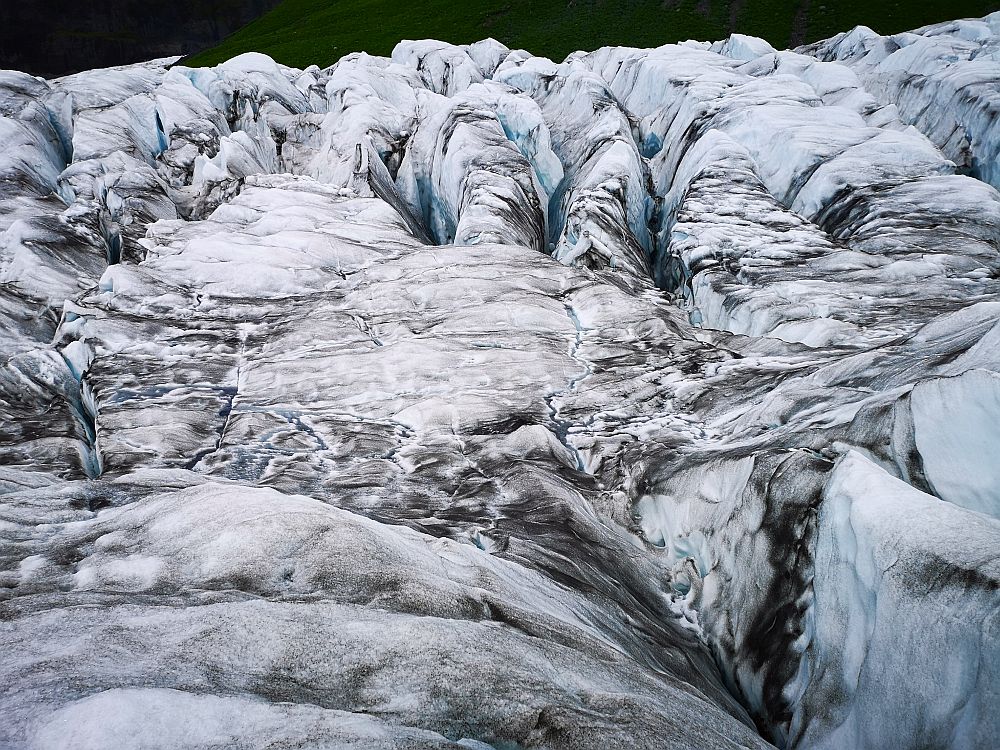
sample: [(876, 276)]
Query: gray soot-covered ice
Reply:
[(467, 399)]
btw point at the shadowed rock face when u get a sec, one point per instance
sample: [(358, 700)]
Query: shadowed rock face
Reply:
[(56, 37), (467, 399)]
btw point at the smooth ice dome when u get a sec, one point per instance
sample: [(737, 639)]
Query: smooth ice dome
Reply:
[(469, 399)]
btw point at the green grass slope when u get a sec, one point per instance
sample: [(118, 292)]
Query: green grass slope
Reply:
[(304, 32)]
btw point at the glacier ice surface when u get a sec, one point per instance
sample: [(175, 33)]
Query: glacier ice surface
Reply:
[(466, 398)]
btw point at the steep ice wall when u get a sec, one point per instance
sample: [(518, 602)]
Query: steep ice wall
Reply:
[(878, 554), (599, 209), (955, 422), (750, 513), (464, 398), (465, 177)]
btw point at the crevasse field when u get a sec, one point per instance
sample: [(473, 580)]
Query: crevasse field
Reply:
[(468, 399)]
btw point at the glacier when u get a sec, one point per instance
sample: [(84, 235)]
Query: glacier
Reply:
[(468, 399)]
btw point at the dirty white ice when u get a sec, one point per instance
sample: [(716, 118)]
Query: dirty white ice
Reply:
[(469, 399)]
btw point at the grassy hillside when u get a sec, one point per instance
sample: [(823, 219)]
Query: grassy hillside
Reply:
[(302, 32)]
